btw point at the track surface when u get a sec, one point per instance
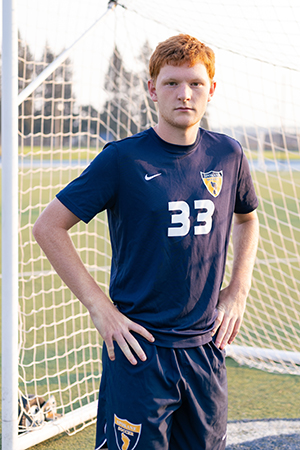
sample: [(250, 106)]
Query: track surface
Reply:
[(264, 435)]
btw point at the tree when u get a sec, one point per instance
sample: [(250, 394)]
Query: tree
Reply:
[(56, 100), (120, 112), (25, 75), (147, 108)]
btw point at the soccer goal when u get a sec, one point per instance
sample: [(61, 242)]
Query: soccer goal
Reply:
[(74, 76)]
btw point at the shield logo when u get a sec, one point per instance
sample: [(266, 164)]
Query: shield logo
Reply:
[(127, 433), (213, 181)]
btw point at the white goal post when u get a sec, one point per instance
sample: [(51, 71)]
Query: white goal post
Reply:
[(74, 76)]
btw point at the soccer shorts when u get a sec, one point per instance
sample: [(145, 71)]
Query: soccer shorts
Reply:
[(175, 400)]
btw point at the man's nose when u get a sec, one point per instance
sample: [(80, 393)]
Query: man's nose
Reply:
[(184, 92)]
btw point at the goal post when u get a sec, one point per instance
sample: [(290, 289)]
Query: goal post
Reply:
[(9, 159), (70, 84), (11, 223)]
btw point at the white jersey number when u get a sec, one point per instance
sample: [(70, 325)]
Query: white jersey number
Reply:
[(204, 218)]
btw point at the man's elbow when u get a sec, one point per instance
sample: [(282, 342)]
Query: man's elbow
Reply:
[(244, 218), (43, 228), (39, 230)]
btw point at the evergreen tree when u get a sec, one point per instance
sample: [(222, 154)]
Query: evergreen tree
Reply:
[(53, 116), (25, 75), (148, 111), (120, 110)]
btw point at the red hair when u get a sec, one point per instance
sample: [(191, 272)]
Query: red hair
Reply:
[(181, 49)]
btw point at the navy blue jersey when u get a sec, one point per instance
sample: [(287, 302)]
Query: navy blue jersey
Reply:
[(170, 209)]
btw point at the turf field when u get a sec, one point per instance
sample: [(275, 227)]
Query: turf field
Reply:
[(253, 394)]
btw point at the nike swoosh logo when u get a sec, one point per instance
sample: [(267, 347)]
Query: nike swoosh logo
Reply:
[(150, 177)]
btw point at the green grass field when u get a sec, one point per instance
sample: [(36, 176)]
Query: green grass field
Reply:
[(253, 394), (81, 154)]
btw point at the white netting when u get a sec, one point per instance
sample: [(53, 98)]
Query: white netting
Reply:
[(100, 93)]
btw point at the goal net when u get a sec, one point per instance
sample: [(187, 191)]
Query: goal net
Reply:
[(98, 93)]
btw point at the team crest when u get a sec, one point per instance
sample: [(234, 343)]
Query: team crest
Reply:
[(127, 433), (213, 181)]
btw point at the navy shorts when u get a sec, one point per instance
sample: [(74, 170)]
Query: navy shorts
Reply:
[(175, 400)]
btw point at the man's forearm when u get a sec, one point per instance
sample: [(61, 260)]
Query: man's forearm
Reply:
[(232, 299), (245, 235)]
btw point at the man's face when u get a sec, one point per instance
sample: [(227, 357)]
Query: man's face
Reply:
[(182, 94)]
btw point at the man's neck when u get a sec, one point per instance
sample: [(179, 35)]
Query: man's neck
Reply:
[(177, 136)]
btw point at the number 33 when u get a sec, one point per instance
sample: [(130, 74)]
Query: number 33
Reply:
[(206, 209)]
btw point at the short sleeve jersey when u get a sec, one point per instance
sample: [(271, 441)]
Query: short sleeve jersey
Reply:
[(170, 211)]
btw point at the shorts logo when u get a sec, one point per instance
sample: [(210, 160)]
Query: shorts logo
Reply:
[(127, 433), (213, 181)]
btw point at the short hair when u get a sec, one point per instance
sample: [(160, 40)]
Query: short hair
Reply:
[(181, 49)]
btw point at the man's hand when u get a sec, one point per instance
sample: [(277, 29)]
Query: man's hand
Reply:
[(114, 326), (231, 309)]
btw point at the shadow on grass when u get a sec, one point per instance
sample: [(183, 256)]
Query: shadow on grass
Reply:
[(283, 442)]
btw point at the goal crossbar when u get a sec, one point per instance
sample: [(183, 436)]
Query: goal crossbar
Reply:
[(266, 354), (71, 420), (59, 59)]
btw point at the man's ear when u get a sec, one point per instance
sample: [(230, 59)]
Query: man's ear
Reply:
[(152, 90), (211, 90)]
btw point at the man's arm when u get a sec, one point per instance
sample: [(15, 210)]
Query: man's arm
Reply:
[(51, 233), (232, 299)]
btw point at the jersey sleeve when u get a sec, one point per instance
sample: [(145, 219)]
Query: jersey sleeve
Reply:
[(95, 189), (246, 199)]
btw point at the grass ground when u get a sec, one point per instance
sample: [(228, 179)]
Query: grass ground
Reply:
[(253, 394), (76, 154)]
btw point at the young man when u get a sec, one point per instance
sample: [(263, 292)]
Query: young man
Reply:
[(171, 193)]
